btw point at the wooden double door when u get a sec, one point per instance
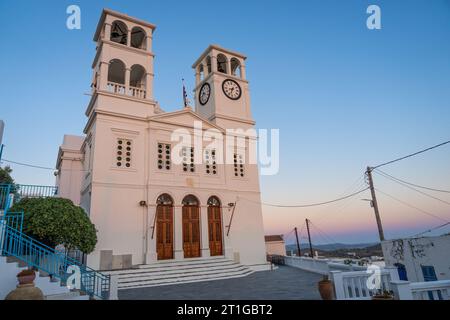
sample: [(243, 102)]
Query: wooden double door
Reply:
[(215, 230), (191, 231), (164, 232)]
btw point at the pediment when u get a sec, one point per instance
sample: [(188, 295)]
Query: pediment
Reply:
[(184, 118)]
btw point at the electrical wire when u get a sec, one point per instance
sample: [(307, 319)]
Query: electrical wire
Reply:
[(411, 155), (421, 192), (306, 205), (28, 165), (411, 206), (412, 184), (432, 229)]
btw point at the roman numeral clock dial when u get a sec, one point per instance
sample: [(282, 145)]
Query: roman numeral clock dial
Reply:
[(231, 89)]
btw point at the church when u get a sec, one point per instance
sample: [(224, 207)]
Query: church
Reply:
[(148, 206)]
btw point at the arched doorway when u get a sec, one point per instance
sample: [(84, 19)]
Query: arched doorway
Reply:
[(191, 227), (164, 227), (215, 226)]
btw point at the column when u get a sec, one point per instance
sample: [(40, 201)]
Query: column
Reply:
[(148, 43), (197, 75), (107, 32), (213, 64), (129, 38), (149, 86), (103, 81), (204, 243), (127, 81), (178, 233), (243, 72), (151, 254), (228, 66)]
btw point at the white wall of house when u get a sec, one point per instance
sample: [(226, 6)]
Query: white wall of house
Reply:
[(415, 253)]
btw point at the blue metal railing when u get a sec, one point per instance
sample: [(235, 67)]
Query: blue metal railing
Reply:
[(13, 242), (38, 255), (12, 193)]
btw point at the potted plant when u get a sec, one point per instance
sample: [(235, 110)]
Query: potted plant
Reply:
[(383, 295), (326, 288), (26, 276)]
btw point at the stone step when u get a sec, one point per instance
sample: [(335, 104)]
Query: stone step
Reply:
[(189, 261), (179, 271), (175, 267), (164, 282), (177, 274)]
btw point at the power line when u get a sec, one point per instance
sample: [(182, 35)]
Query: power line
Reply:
[(432, 229), (412, 184), (421, 192), (28, 165), (412, 154), (411, 206), (306, 205)]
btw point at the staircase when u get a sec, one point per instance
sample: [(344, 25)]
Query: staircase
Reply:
[(51, 288), (16, 245), (179, 271)]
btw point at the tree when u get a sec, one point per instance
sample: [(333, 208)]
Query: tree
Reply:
[(55, 221), (5, 175)]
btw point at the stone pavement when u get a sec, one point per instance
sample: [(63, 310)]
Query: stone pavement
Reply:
[(285, 283)]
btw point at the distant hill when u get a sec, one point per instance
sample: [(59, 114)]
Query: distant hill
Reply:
[(341, 250), (332, 246)]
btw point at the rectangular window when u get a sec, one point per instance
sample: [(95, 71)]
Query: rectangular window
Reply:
[(210, 161), (164, 156), (188, 159), (238, 165), (123, 153)]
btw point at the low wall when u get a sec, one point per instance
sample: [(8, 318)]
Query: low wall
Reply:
[(320, 266)]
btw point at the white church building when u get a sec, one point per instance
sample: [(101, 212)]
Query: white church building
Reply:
[(152, 199)]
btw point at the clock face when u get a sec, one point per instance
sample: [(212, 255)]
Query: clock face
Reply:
[(204, 94), (231, 89)]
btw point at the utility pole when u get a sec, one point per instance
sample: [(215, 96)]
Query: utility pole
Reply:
[(309, 239), (375, 204), (2, 126), (298, 243)]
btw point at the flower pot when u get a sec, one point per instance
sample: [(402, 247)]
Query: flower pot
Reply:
[(326, 289), (26, 279)]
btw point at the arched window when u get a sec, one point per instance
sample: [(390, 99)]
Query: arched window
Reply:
[(138, 38), (190, 200), (213, 201), (119, 32), (221, 63), (164, 199), (137, 76), (116, 71), (235, 67)]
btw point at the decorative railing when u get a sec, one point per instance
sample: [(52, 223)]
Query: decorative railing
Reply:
[(12, 193), (356, 285), (430, 290), (136, 92), (116, 88), (57, 264)]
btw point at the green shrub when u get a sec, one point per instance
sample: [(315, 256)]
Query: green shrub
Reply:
[(55, 221)]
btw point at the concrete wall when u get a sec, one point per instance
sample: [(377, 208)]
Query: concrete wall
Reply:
[(416, 252), (276, 247)]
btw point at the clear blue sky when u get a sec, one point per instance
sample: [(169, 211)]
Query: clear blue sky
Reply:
[(343, 96)]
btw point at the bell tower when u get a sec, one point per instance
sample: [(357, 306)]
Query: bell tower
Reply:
[(122, 80), (221, 89)]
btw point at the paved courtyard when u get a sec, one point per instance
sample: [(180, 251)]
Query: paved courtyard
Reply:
[(285, 283)]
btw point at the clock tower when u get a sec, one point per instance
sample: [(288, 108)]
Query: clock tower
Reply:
[(221, 89)]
